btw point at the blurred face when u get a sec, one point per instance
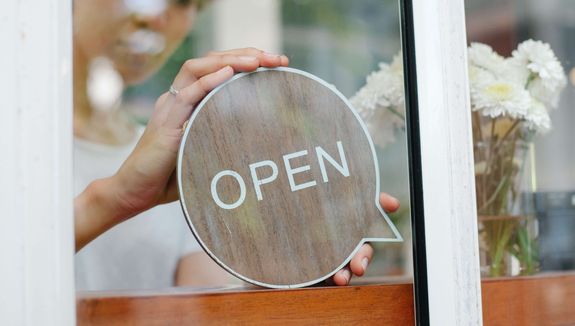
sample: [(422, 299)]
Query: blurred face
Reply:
[(136, 35)]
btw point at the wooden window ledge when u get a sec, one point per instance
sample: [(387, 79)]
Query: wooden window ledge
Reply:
[(546, 299)]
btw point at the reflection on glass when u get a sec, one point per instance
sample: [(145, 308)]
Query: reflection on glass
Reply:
[(119, 43), (145, 42), (526, 207), (547, 165)]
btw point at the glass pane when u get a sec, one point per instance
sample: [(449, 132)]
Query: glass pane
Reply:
[(127, 55), (523, 95)]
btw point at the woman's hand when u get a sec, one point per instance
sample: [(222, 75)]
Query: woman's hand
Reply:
[(147, 178), (359, 262)]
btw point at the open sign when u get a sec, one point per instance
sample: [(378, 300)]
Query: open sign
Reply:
[(258, 181), (278, 179)]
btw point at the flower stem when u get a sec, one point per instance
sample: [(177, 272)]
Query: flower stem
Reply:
[(509, 131), (394, 111)]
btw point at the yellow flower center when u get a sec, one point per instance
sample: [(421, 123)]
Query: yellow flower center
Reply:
[(500, 90)]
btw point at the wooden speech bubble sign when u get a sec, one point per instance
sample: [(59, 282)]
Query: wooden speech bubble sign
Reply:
[(277, 178)]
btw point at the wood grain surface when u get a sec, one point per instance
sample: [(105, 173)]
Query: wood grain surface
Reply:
[(541, 300), (287, 237), (359, 305), (538, 300)]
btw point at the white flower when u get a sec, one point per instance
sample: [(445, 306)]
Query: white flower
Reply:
[(510, 87), (479, 77), (540, 59), (483, 56), (382, 125), (537, 118), (494, 87), (515, 71), (498, 97), (380, 102), (397, 65), (521, 87), (383, 88), (547, 77), (545, 92)]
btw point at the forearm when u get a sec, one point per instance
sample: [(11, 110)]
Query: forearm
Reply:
[(96, 210), (198, 269)]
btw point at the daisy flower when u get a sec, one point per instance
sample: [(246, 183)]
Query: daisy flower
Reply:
[(547, 77)]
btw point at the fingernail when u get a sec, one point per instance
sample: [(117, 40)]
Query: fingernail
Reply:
[(247, 58), (347, 275), (271, 55), (364, 263), (391, 198)]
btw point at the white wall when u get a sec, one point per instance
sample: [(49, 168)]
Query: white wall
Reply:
[(239, 24), (36, 232)]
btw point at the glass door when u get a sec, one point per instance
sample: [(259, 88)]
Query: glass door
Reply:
[(521, 53)]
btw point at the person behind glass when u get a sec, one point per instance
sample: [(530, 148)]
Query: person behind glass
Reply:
[(124, 175)]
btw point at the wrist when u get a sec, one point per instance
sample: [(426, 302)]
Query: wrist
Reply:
[(107, 201), (96, 210)]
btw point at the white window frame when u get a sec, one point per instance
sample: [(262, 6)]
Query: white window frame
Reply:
[(36, 238), (449, 207)]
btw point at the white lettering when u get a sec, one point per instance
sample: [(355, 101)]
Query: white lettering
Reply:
[(290, 172), (215, 195), (257, 182), (321, 155)]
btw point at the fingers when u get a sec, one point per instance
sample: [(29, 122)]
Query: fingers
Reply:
[(342, 277), (240, 51), (389, 203), (360, 261), (241, 60), (357, 266), (269, 60), (161, 101), (195, 69), (188, 97), (197, 77)]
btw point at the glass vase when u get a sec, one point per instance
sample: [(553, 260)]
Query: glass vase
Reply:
[(504, 178)]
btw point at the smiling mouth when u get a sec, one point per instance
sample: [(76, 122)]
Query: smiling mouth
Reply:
[(139, 48), (144, 42)]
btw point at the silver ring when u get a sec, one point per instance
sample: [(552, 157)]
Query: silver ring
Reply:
[(173, 90)]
